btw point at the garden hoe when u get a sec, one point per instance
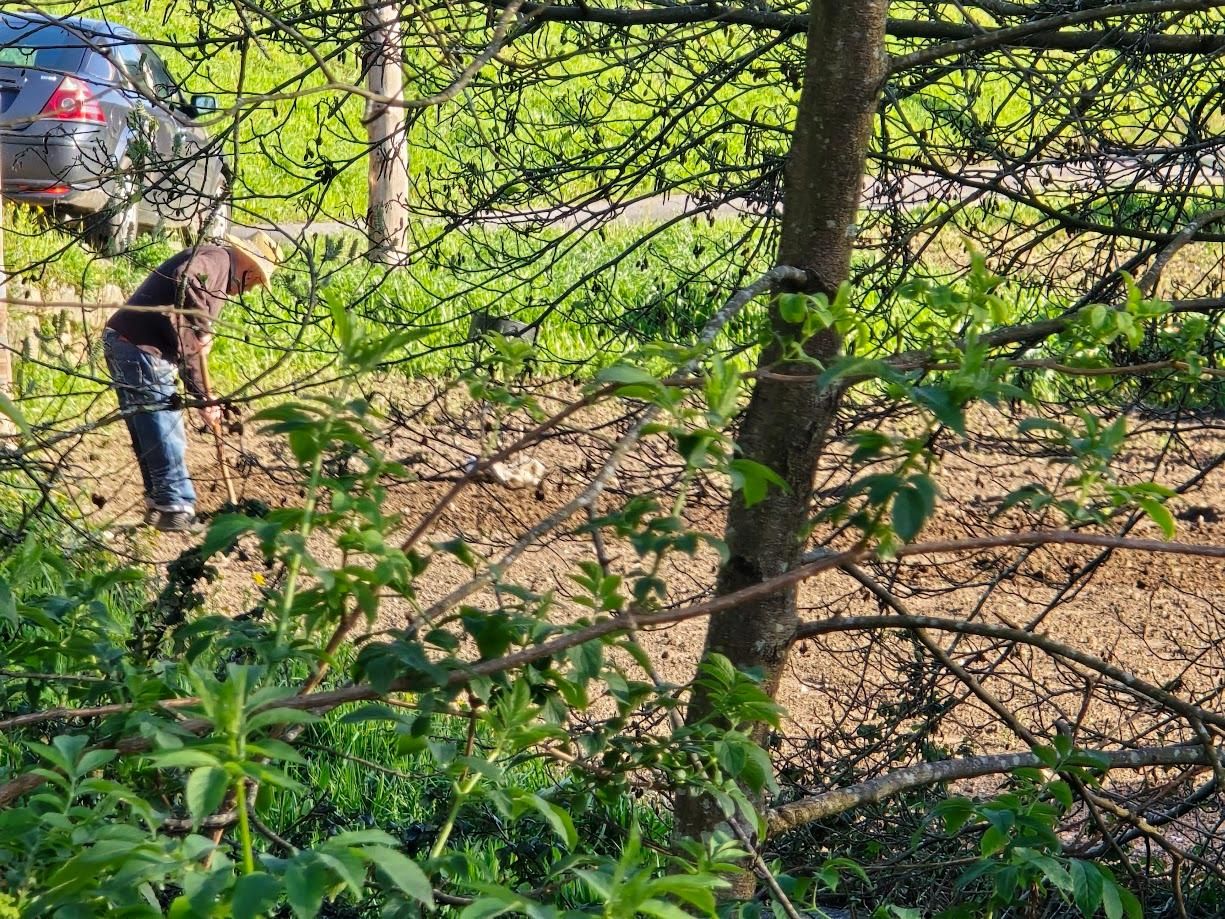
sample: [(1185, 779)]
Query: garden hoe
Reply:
[(217, 442)]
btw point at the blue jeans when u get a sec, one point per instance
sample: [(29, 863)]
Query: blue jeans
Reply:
[(151, 405)]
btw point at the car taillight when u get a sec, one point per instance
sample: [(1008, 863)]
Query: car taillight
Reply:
[(72, 101)]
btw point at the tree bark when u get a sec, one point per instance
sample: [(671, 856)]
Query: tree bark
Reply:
[(383, 61), (786, 422), (7, 427)]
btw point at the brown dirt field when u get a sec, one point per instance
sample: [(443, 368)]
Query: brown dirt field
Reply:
[(1160, 616)]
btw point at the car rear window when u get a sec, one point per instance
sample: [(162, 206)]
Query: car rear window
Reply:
[(39, 46)]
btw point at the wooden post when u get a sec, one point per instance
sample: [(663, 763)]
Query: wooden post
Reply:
[(383, 61)]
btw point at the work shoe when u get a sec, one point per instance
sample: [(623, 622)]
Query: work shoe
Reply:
[(177, 522)]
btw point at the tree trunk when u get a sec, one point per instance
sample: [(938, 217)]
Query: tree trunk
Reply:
[(786, 423), (7, 427), (383, 61)]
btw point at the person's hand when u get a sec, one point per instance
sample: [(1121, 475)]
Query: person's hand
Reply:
[(210, 415)]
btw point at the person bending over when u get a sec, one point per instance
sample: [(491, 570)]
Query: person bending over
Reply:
[(166, 330)]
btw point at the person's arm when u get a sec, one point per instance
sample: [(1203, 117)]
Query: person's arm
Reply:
[(194, 345), (204, 292)]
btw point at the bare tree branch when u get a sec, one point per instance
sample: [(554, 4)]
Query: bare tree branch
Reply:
[(990, 38), (831, 803), (1042, 34)]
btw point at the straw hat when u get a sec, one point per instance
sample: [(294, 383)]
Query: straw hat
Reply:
[(256, 254)]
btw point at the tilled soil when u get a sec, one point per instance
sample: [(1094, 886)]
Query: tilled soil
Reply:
[(1159, 616)]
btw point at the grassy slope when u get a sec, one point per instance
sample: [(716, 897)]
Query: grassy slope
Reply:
[(288, 144), (282, 143)]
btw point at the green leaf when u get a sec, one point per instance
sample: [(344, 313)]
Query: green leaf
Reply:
[(223, 532), (1159, 514), (627, 373), (1062, 793), (304, 444), (253, 894), (599, 883), (662, 909), (869, 445), (95, 759), (587, 660), (1087, 886), (792, 308), (71, 747), (373, 712), (879, 487), (1007, 882), (362, 838), (859, 367), (1093, 759), (923, 484), (461, 550), (8, 604), (488, 908), (306, 882), (1054, 872), (402, 871), (994, 840), (9, 409), (557, 818), (341, 320), (955, 812), (187, 758), (280, 716), (693, 447), (910, 510), (205, 789), (942, 405), (696, 890), (347, 865), (753, 480)]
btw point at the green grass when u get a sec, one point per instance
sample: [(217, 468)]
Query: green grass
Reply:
[(303, 157), (593, 302), (409, 798), (558, 135), (280, 338), (44, 260)]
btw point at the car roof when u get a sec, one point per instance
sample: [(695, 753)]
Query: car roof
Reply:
[(73, 23)]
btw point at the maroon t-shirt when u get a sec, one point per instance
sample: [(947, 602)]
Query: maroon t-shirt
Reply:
[(195, 280)]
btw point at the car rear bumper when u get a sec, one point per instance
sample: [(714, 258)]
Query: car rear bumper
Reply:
[(67, 171)]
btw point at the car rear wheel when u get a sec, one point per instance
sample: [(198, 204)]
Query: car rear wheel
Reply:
[(113, 230)]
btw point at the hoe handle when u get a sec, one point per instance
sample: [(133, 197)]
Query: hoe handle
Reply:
[(217, 441)]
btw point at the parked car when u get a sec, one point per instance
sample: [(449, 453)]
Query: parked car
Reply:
[(95, 131)]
